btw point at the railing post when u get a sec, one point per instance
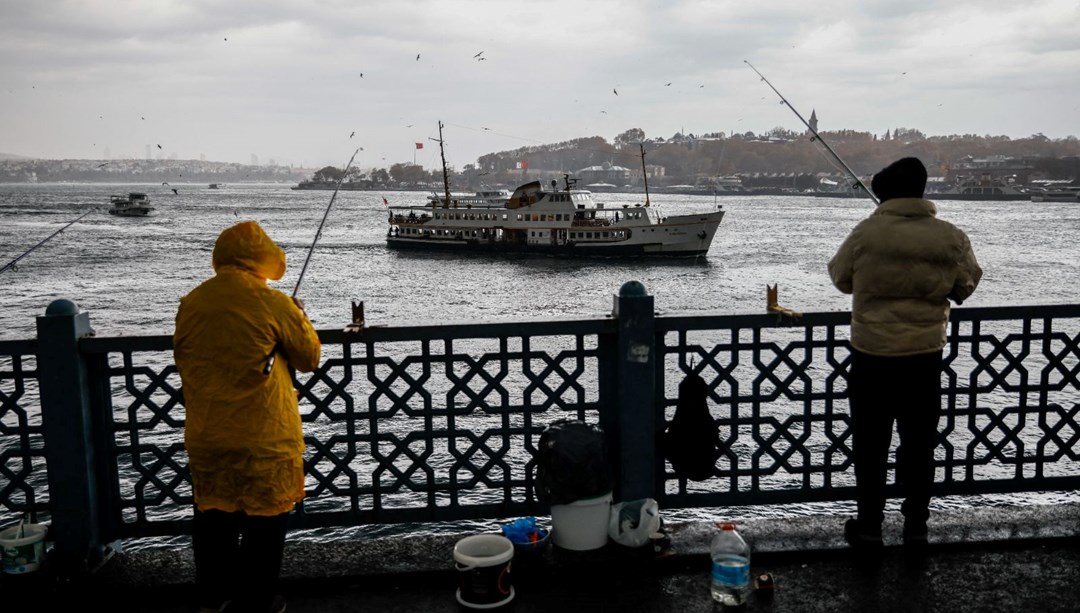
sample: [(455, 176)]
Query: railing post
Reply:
[(635, 363), (69, 451)]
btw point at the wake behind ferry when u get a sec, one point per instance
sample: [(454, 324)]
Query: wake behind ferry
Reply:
[(563, 222)]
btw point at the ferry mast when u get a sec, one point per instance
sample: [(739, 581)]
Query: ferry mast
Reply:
[(445, 177)]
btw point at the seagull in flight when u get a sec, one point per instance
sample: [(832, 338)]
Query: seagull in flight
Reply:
[(175, 191), (479, 54), (417, 57), (353, 134), (615, 90), (164, 182), (159, 146), (667, 84), (106, 163)]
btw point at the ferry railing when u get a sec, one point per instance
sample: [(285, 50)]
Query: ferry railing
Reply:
[(442, 422)]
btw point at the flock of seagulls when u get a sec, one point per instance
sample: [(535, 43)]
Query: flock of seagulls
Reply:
[(479, 56)]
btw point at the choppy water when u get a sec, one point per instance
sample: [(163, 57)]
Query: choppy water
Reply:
[(131, 272)]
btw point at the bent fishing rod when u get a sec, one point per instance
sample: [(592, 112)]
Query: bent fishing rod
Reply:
[(326, 213), (817, 137), (12, 265), (318, 233)]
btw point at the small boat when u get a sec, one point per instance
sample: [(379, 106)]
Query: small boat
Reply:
[(1057, 193), (562, 222), (983, 188), (135, 204), (216, 185)]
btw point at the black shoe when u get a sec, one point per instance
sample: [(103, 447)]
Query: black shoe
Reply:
[(915, 534), (861, 538)]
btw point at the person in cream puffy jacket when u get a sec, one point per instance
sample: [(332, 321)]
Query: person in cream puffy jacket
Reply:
[(902, 266)]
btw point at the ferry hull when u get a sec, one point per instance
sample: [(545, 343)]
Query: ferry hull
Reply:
[(696, 247)]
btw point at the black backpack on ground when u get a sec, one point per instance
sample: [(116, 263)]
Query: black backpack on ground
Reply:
[(692, 442)]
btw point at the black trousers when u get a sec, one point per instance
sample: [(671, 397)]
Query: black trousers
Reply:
[(906, 390), (237, 557)]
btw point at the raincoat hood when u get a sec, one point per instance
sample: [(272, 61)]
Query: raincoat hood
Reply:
[(247, 246)]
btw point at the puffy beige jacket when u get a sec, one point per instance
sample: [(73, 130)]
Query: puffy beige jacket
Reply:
[(902, 265)]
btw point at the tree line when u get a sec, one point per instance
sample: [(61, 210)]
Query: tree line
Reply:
[(697, 159)]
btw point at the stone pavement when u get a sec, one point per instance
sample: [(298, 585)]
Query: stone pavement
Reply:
[(995, 559)]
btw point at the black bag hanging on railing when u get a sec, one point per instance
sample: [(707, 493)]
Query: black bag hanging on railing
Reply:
[(692, 442)]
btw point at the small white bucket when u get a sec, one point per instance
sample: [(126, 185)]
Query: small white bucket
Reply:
[(25, 553), (583, 524), (483, 564)]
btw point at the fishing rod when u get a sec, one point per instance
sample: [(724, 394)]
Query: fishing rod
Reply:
[(326, 213), (318, 233), (12, 265), (817, 137)]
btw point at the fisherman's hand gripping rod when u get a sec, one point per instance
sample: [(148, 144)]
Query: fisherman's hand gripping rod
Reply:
[(817, 137), (318, 233)]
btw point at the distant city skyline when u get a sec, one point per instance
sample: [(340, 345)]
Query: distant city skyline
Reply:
[(308, 84)]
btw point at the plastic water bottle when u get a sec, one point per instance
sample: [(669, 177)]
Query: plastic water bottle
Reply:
[(730, 566)]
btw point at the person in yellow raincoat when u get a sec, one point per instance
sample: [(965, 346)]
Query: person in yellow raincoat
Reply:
[(243, 434)]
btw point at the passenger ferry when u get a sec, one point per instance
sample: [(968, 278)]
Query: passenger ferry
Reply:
[(565, 222)]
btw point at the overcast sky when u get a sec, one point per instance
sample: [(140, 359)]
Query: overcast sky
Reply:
[(291, 80)]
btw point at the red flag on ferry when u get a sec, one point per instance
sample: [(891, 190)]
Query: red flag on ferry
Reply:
[(419, 145)]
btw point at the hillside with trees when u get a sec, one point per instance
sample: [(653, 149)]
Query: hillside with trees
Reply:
[(778, 157)]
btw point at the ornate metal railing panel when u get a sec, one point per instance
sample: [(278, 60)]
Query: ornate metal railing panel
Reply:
[(1010, 397), (442, 422), (24, 484)]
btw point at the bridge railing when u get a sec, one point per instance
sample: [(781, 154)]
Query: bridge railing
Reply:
[(442, 422)]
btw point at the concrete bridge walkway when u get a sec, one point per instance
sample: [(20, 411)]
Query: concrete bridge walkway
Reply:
[(988, 559)]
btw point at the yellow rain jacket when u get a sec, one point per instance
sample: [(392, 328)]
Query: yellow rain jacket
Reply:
[(243, 435)]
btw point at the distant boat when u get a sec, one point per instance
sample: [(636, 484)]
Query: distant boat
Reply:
[(216, 185), (135, 204), (1057, 193), (985, 188)]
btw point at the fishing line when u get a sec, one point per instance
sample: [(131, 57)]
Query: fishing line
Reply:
[(817, 137), (12, 264)]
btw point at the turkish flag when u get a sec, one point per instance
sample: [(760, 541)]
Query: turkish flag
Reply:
[(524, 164), (419, 145)]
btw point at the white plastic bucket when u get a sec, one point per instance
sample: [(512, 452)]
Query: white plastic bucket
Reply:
[(483, 564), (23, 553), (583, 524)]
